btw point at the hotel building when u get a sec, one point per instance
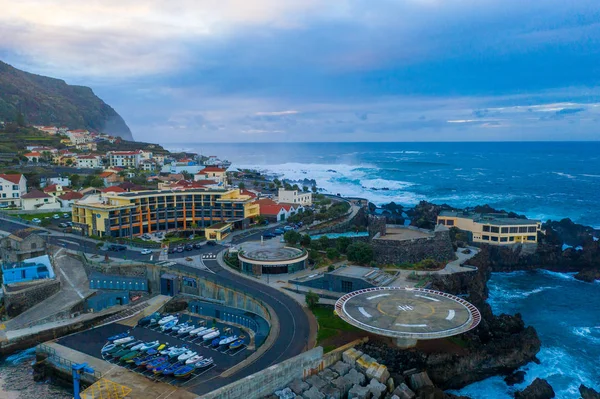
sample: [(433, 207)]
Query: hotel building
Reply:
[(134, 213), (492, 228)]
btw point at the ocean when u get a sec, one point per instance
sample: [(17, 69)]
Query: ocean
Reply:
[(566, 315), (544, 180)]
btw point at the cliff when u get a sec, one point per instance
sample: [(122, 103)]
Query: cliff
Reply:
[(49, 101)]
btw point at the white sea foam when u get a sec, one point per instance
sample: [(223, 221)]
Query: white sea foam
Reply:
[(591, 334), (563, 276), (565, 175)]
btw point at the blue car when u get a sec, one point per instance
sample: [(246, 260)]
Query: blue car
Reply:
[(278, 231), (268, 235)]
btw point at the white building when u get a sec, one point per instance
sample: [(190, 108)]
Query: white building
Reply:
[(89, 161), (38, 200), (12, 187), (124, 159), (294, 197)]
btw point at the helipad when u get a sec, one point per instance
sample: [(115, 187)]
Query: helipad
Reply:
[(408, 314)]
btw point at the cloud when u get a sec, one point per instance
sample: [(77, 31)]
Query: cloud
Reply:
[(276, 113)]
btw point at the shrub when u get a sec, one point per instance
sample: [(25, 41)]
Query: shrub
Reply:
[(342, 244), (292, 237), (360, 252), (312, 299), (332, 253)]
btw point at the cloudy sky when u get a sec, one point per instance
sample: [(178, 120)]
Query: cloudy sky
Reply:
[(182, 71)]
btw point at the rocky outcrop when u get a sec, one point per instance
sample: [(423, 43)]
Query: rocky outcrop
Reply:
[(588, 393), (588, 275), (539, 389)]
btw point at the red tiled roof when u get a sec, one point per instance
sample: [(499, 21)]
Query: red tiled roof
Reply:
[(53, 187), (33, 154), (78, 131), (247, 192), (71, 195), (269, 207), (86, 157), (13, 178), (113, 189), (206, 181), (35, 194), (211, 169), (105, 174), (125, 152)]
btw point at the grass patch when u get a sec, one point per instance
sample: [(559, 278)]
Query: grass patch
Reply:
[(329, 323), (43, 215)]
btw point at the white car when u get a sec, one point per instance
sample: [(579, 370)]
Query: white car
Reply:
[(56, 216), (36, 220), (146, 251)]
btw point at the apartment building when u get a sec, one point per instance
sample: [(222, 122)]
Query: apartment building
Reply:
[(492, 228), (124, 159), (135, 213), (294, 197), (12, 187)]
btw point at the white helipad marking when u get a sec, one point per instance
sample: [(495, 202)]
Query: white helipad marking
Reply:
[(451, 314), (376, 296), (426, 297), (405, 308), (364, 312), (411, 325)]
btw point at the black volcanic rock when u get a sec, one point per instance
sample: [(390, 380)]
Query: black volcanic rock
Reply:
[(515, 378), (539, 389), (588, 393), (49, 101)]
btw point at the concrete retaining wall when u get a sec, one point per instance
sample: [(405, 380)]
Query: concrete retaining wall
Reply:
[(17, 302), (438, 247)]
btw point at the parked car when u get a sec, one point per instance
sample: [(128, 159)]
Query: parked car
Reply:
[(66, 215), (36, 220), (288, 228), (179, 249), (70, 224), (278, 231), (197, 245), (56, 216), (189, 247), (115, 247), (211, 243), (268, 235), (146, 251), (191, 237), (63, 225), (171, 250)]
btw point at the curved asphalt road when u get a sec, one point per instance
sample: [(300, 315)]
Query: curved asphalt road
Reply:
[(294, 325)]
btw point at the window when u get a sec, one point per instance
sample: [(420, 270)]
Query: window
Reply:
[(531, 229), (514, 229), (530, 238), (511, 238), (504, 230), (347, 286), (523, 229), (495, 229), (494, 238), (442, 221), (15, 195), (450, 222), (15, 186), (485, 238), (33, 245), (503, 239), (3, 195), (486, 228)]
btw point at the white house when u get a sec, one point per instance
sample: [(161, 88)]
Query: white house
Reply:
[(89, 161), (294, 197), (12, 188), (38, 200), (124, 159)]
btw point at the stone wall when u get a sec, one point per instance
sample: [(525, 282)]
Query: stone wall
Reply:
[(19, 300), (31, 246), (376, 225), (438, 247)]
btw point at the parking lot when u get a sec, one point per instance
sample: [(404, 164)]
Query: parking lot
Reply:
[(224, 358)]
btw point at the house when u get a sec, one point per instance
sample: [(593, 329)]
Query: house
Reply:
[(87, 146), (55, 190), (66, 200), (110, 178), (33, 156), (12, 187), (89, 161), (275, 211), (54, 178), (29, 270), (89, 190), (38, 200), (42, 150), (294, 197), (129, 186), (148, 165), (212, 173), (66, 159), (113, 189), (22, 244), (125, 159), (145, 155)]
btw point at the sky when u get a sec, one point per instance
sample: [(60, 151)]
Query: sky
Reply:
[(193, 71)]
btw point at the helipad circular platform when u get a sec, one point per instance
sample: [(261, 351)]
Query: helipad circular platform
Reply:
[(408, 313), (271, 257)]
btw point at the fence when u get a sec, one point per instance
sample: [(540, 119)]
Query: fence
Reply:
[(60, 361)]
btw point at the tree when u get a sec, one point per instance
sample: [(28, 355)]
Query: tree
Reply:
[(360, 252), (323, 242), (194, 226), (69, 162), (314, 189), (332, 253), (295, 187), (292, 237), (75, 180), (305, 189), (277, 182), (20, 119), (241, 185), (305, 240), (312, 299), (342, 244), (187, 175)]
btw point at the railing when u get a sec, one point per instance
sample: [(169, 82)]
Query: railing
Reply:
[(60, 361)]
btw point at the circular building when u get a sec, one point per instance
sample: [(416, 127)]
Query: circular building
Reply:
[(408, 314), (271, 258)]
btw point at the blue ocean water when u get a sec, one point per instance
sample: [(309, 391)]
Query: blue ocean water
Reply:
[(566, 315), (544, 180)]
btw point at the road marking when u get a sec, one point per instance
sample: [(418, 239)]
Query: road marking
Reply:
[(426, 297), (411, 325), (364, 312), (376, 296), (405, 308), (451, 314)]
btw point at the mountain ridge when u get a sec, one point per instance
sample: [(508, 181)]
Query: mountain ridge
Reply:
[(45, 100)]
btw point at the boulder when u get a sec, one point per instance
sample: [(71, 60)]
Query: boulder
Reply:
[(379, 372), (402, 391), (588, 393), (390, 384), (315, 381), (365, 362), (515, 378), (351, 355), (341, 368), (328, 375), (419, 380), (313, 393), (359, 392), (376, 388), (298, 386), (285, 393), (539, 389), (355, 377)]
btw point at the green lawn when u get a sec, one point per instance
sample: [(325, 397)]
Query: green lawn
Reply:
[(329, 323), (43, 215)]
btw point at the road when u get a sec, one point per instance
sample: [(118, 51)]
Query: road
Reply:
[(294, 325)]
